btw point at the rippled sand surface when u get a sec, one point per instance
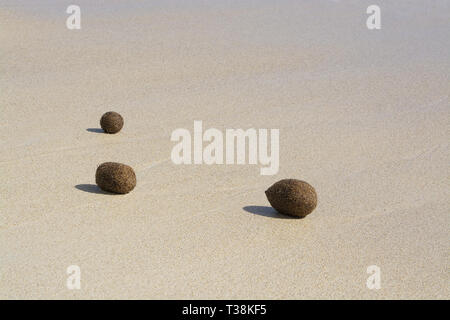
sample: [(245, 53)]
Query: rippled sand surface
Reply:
[(363, 116)]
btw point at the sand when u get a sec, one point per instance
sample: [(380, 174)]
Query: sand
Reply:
[(363, 117)]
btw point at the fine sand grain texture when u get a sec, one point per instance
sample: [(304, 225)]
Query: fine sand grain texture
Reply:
[(363, 117)]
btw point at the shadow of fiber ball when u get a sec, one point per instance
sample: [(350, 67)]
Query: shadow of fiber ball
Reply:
[(115, 177), (111, 122), (292, 197)]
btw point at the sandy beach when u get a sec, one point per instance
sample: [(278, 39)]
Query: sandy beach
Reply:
[(363, 116)]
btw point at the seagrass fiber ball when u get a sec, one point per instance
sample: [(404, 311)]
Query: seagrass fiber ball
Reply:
[(111, 122), (115, 177), (292, 197)]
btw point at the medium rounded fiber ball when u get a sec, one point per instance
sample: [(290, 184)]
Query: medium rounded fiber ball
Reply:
[(292, 197), (115, 177), (111, 122)]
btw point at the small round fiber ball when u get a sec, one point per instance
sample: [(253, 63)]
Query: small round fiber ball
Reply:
[(111, 122), (292, 197), (115, 177)]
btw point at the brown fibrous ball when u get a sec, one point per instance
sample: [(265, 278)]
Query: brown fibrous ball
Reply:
[(115, 177), (111, 122), (292, 197)]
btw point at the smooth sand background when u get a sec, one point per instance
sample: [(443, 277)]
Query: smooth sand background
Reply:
[(363, 116)]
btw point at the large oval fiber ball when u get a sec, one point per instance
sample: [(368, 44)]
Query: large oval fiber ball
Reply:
[(292, 197), (111, 122), (115, 177)]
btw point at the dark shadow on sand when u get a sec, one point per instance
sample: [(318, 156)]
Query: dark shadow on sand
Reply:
[(91, 188), (96, 130), (267, 212)]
